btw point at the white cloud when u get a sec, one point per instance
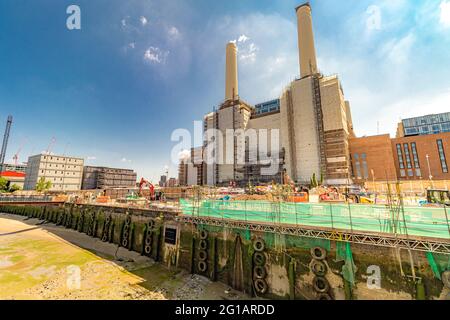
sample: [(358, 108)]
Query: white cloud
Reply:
[(90, 158), (132, 45), (184, 155), (155, 55), (268, 59), (123, 22), (248, 54), (243, 38), (143, 20), (398, 51), (174, 32), (445, 13), (125, 160)]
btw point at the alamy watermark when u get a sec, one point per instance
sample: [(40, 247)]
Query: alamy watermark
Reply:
[(73, 280), (373, 21), (73, 22), (230, 147), (374, 277)]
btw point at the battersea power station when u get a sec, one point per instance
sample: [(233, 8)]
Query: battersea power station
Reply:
[(306, 132), (311, 124)]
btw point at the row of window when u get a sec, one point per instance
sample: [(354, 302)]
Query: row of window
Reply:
[(63, 166), (410, 166), (430, 129), (57, 159), (67, 173), (267, 107), (427, 120)]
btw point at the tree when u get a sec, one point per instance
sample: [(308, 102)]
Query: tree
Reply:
[(43, 185), (14, 188), (314, 183), (3, 185)]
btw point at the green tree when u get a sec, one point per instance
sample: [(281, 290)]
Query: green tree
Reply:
[(14, 188), (3, 185), (43, 185), (314, 183)]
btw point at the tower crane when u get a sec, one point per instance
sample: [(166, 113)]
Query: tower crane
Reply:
[(52, 143), (16, 156)]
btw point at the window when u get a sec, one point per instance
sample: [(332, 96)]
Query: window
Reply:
[(407, 156), (400, 157), (442, 156), (365, 169), (415, 155), (418, 173), (358, 167), (436, 129)]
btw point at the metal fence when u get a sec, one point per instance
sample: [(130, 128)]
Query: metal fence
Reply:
[(13, 198), (416, 221)]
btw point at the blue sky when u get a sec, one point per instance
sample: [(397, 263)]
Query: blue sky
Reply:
[(114, 91)]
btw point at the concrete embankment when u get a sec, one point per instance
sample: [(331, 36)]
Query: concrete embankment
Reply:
[(258, 262)]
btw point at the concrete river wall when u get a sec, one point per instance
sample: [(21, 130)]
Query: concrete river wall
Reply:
[(260, 263)]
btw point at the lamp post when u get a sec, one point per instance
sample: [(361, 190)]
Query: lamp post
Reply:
[(429, 170)]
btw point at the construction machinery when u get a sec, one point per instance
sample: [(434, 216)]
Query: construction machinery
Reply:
[(438, 197), (144, 183)]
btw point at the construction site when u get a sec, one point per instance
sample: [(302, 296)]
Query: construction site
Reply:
[(337, 218)]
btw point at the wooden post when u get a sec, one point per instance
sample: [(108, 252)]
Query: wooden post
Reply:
[(193, 255), (213, 259), (292, 268)]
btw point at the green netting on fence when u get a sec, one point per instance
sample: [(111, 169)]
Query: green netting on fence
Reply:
[(344, 253), (418, 221), (438, 263)]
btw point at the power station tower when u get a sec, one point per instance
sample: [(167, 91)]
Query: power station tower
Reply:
[(5, 142)]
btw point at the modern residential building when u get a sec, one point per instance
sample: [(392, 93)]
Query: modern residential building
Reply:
[(192, 169), (104, 178), (380, 158), (424, 125), (65, 173)]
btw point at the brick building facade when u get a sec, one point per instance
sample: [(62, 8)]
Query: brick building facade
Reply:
[(381, 158)]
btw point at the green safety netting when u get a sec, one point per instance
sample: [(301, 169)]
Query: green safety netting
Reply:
[(439, 263), (344, 253), (418, 221)]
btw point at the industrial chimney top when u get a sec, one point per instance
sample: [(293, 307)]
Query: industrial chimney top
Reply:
[(307, 4)]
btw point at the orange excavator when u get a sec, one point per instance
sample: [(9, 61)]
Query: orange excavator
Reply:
[(151, 187)]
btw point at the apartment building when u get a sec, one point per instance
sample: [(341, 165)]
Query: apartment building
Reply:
[(65, 173)]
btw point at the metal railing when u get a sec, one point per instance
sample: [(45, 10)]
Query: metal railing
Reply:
[(414, 221), (25, 199)]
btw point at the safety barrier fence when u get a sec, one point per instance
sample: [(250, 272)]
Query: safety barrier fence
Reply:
[(26, 199), (414, 221)]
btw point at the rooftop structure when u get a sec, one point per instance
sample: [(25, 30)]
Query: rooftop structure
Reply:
[(424, 125)]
